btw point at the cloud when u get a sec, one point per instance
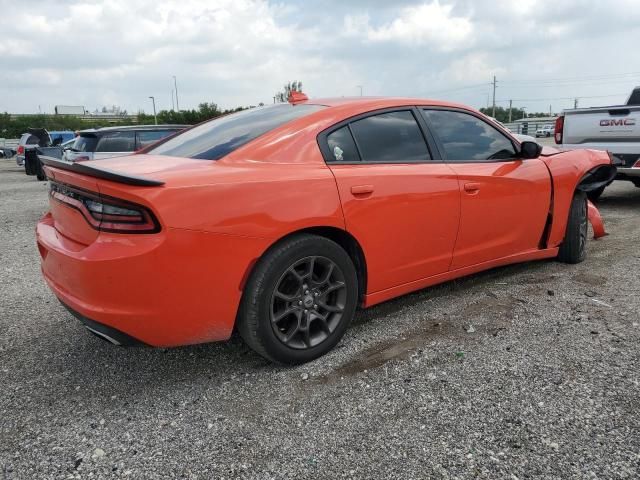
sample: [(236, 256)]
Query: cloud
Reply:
[(430, 24), (240, 52)]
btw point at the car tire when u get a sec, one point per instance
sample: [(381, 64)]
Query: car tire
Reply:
[(594, 195), (299, 300), (40, 175), (573, 248)]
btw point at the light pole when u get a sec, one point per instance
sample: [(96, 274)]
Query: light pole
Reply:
[(175, 84), (360, 87), (154, 109)]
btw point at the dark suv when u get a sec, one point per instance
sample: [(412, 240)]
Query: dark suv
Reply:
[(96, 144)]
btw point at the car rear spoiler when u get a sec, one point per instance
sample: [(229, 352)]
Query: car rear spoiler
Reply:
[(103, 173)]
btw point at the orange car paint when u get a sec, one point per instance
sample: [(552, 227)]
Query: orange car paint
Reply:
[(596, 221), (417, 224)]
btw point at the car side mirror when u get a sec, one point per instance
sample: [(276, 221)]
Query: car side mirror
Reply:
[(530, 149), (57, 142)]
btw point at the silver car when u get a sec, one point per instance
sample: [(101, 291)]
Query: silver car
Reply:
[(96, 144), (27, 141)]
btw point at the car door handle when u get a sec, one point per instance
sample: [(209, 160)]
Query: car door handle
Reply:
[(471, 187), (362, 189)]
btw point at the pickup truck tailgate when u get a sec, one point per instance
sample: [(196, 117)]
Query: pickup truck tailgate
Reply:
[(614, 124)]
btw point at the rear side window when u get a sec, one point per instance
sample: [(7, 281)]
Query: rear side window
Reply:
[(221, 136), (147, 137), (392, 137), (342, 146), (117, 142), (85, 143), (466, 137)]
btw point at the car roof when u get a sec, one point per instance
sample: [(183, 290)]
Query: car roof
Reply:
[(366, 103), (135, 127)]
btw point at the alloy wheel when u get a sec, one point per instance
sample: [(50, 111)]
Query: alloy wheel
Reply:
[(308, 302)]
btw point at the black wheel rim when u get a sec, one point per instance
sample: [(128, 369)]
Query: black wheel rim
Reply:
[(308, 302), (584, 227)]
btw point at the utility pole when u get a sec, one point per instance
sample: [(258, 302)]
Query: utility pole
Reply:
[(154, 109), (175, 84), (550, 114), (360, 87), (510, 105), (173, 106), (494, 97)]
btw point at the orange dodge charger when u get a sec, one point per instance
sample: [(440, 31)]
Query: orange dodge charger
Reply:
[(280, 221)]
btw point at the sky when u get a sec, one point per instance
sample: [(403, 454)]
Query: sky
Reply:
[(94, 53)]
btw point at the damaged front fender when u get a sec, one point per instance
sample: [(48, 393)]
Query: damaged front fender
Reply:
[(595, 219), (598, 177)]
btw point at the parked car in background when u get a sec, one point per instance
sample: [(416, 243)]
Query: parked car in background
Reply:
[(280, 221), (39, 137), (519, 136), (615, 129), (96, 144), (545, 131), (6, 152)]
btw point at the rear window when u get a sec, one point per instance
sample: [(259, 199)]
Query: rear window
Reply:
[(147, 137), (28, 139), (117, 142), (85, 143), (221, 136)]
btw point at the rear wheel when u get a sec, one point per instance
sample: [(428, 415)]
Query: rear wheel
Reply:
[(40, 175), (299, 300), (594, 195), (573, 248)]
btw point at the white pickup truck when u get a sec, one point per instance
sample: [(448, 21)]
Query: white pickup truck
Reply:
[(616, 129)]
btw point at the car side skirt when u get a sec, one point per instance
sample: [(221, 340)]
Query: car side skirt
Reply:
[(384, 295)]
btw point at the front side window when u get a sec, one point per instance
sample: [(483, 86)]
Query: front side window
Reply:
[(466, 137), (392, 137), (117, 142), (221, 136)]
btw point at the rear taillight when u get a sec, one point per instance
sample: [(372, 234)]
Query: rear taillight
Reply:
[(20, 150), (559, 129), (104, 213), (637, 164)]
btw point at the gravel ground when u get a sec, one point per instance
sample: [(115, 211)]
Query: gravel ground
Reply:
[(528, 371)]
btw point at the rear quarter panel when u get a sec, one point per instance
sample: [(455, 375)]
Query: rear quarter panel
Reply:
[(567, 169), (241, 197)]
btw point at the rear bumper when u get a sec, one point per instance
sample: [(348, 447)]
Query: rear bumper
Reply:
[(176, 287), (104, 331)]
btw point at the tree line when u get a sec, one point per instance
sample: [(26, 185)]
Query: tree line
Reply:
[(14, 128), (502, 114)]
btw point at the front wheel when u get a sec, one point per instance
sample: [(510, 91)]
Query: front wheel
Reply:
[(573, 248), (299, 300)]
